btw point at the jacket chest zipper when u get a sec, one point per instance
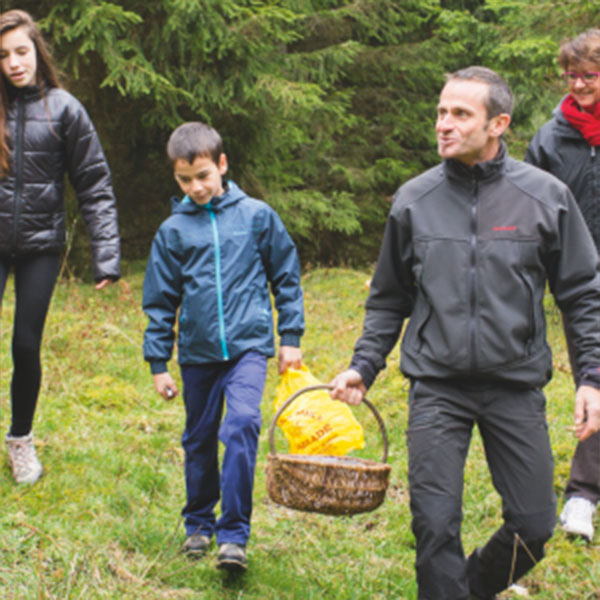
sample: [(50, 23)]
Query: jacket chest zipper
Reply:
[(219, 283), (473, 279), (18, 158)]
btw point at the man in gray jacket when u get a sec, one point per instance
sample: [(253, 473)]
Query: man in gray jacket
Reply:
[(467, 251)]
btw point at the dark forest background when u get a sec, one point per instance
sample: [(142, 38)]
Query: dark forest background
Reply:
[(325, 106)]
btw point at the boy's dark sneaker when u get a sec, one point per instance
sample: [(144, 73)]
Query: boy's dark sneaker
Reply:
[(196, 545), (232, 557)]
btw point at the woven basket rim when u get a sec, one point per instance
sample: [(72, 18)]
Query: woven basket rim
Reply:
[(352, 462)]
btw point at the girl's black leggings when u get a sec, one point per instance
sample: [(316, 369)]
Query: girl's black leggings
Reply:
[(35, 276)]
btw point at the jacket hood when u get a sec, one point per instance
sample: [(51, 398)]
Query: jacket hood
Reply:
[(185, 205)]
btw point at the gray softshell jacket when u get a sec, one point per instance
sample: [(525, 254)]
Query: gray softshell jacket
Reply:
[(466, 255)]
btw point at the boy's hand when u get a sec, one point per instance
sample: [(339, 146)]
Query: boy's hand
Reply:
[(165, 386), (348, 387), (289, 356)]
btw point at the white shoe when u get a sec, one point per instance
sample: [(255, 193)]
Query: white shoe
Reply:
[(576, 517), (25, 465), (518, 590)]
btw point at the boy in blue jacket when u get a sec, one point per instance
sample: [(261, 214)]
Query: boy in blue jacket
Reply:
[(213, 260)]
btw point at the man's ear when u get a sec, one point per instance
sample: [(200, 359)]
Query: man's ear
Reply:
[(223, 164), (499, 124)]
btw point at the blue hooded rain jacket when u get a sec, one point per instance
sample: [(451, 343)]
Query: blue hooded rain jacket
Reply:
[(215, 263)]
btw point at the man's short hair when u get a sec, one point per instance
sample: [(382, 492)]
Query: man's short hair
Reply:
[(499, 99), (584, 48), (194, 139)]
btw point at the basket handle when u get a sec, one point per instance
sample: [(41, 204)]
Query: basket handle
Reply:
[(325, 386)]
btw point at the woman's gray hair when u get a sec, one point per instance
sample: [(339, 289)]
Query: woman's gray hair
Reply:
[(584, 48)]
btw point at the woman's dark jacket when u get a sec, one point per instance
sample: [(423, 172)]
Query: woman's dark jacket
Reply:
[(466, 254), (49, 136), (560, 149)]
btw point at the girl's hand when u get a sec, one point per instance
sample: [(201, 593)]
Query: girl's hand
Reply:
[(102, 284)]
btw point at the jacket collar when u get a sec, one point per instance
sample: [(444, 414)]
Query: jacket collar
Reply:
[(28, 93), (563, 127), (487, 170), (232, 195)]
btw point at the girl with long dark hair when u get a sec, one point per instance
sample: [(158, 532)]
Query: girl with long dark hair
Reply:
[(45, 133)]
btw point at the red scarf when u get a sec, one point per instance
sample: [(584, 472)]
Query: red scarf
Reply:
[(588, 124)]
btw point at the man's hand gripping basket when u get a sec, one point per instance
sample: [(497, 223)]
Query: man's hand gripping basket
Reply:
[(332, 485)]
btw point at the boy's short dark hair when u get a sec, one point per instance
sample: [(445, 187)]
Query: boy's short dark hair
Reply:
[(194, 139)]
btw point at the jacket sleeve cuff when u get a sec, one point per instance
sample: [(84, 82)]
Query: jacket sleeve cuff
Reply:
[(590, 376), (290, 339), (367, 373), (158, 366)]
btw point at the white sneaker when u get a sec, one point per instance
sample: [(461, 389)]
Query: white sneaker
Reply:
[(26, 467), (518, 590), (576, 517)]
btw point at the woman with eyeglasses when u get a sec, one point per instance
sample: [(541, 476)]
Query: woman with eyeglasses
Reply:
[(45, 133), (568, 146)]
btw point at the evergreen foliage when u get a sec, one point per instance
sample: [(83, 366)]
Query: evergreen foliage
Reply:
[(325, 106)]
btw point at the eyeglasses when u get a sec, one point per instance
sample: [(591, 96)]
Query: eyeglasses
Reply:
[(589, 77)]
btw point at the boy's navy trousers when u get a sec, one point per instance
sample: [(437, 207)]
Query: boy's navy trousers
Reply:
[(237, 386), (512, 424)]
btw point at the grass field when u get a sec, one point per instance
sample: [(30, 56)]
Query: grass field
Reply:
[(104, 521)]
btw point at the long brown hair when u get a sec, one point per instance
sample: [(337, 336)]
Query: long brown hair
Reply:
[(46, 75)]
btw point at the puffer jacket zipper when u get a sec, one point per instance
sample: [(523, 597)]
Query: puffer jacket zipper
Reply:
[(473, 279), (18, 158), (219, 284)]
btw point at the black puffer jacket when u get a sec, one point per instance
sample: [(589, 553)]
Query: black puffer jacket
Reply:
[(466, 255), (49, 137), (560, 149)]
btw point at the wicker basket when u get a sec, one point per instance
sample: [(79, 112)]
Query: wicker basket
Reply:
[(331, 485)]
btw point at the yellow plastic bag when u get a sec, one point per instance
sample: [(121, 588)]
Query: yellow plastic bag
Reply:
[(314, 423)]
